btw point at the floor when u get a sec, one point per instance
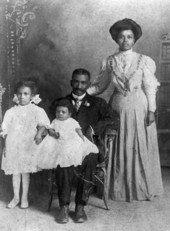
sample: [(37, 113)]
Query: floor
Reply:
[(122, 216)]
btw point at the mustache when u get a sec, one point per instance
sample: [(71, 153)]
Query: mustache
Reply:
[(78, 89)]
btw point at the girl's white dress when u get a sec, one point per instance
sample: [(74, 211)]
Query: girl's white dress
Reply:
[(68, 150), (136, 172), (20, 125)]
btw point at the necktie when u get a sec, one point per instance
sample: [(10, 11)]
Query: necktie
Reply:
[(77, 104)]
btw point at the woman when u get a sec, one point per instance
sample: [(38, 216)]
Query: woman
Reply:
[(136, 173)]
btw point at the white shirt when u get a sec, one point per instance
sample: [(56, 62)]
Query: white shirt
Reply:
[(78, 99)]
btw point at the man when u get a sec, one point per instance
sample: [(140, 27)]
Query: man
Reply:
[(93, 115)]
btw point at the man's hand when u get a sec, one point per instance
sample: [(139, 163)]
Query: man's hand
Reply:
[(150, 118), (53, 133), (89, 133)]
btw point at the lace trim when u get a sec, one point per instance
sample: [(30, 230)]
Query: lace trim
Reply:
[(123, 80)]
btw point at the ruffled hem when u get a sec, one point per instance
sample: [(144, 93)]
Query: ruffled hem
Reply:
[(61, 164), (52, 163), (15, 172)]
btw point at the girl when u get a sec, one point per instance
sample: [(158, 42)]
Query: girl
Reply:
[(22, 128), (65, 145)]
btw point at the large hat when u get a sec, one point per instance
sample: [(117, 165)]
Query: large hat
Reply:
[(125, 24)]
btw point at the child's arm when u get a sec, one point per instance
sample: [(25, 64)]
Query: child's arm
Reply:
[(3, 142), (53, 133), (80, 133), (3, 136), (38, 138)]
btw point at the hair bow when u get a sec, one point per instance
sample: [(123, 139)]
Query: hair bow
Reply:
[(35, 99)]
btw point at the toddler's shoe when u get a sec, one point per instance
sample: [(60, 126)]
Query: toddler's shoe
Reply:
[(13, 203)]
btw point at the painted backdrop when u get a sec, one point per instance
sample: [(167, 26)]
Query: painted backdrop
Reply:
[(67, 34)]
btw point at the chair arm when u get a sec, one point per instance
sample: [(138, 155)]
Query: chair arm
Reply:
[(110, 133)]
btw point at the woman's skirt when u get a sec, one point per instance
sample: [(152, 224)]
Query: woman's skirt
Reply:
[(136, 173)]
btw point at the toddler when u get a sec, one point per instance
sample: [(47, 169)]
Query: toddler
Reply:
[(65, 145)]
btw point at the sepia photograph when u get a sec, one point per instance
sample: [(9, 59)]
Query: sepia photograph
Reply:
[(84, 115)]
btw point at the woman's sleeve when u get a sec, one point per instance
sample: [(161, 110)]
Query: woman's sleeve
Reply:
[(150, 83), (42, 118), (102, 81), (7, 120)]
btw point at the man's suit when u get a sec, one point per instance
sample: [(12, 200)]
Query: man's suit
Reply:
[(96, 113)]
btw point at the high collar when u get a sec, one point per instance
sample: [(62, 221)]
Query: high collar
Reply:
[(126, 53), (78, 97)]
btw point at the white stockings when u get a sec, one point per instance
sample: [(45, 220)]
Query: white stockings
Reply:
[(25, 188), (16, 181)]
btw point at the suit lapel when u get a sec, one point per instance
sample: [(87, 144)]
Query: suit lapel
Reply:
[(85, 102)]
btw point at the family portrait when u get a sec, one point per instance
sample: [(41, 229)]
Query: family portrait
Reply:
[(84, 115)]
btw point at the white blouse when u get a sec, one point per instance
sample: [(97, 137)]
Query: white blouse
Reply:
[(129, 67)]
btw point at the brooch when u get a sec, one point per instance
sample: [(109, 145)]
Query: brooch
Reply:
[(87, 104)]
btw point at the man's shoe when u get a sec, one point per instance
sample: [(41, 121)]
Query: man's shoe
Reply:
[(80, 214), (63, 214)]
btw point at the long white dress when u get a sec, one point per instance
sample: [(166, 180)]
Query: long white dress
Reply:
[(68, 150), (20, 125), (136, 167)]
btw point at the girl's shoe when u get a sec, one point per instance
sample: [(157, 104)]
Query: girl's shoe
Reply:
[(13, 203), (24, 205)]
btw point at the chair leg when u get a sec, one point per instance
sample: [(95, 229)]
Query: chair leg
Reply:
[(105, 189), (50, 202)]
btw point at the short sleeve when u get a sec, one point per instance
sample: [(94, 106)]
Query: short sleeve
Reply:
[(7, 120), (42, 118), (74, 123), (150, 82)]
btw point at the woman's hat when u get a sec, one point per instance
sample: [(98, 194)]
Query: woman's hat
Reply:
[(125, 24)]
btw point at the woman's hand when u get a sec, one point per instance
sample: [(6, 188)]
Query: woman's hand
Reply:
[(150, 118)]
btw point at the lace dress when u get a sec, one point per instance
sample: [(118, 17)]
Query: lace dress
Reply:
[(136, 171), (68, 150), (20, 124)]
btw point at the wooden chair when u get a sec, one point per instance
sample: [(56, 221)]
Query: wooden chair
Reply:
[(102, 173)]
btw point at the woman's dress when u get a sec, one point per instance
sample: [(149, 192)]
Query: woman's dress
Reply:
[(136, 168), (20, 125), (69, 149)]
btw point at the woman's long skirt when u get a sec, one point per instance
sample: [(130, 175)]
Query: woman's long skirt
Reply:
[(136, 174)]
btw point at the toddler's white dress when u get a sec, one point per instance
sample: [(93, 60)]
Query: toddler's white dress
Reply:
[(20, 125), (68, 150)]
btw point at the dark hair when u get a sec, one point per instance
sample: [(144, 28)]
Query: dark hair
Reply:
[(27, 83), (63, 102), (81, 71), (125, 24)]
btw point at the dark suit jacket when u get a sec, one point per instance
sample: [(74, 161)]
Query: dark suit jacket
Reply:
[(94, 111)]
